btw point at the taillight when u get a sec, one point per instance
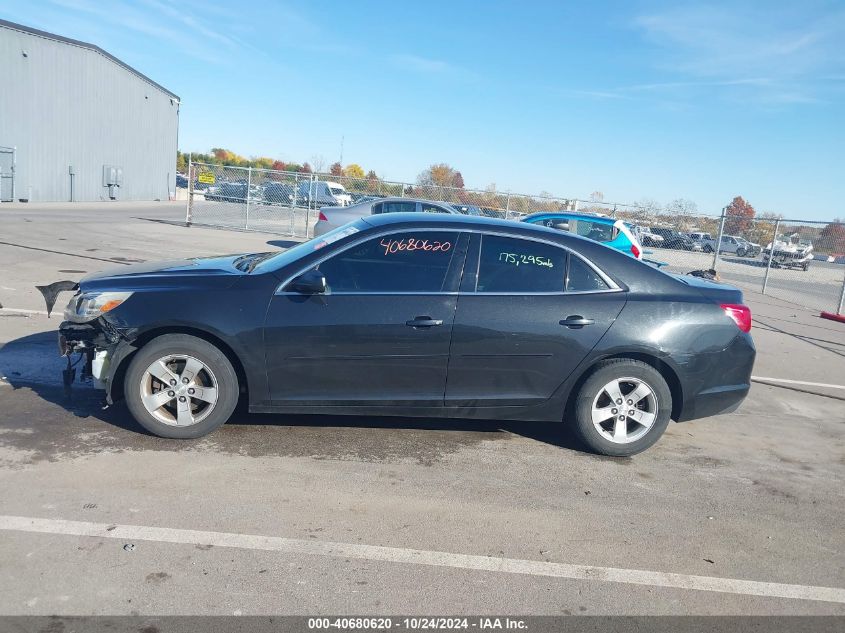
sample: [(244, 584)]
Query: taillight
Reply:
[(740, 314), (635, 251), (322, 217)]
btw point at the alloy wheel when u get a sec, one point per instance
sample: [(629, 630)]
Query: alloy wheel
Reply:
[(624, 410), (179, 390)]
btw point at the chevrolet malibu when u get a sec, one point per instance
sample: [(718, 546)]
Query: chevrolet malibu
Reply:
[(418, 314)]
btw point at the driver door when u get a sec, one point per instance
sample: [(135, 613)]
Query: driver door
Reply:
[(379, 335)]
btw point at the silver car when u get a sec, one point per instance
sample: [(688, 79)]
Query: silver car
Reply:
[(332, 217)]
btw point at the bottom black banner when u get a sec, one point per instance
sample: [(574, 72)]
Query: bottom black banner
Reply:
[(535, 624)]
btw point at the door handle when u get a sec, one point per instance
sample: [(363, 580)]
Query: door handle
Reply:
[(424, 321), (576, 321)]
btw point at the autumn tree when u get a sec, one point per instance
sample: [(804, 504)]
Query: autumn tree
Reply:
[(739, 216), (832, 237), (306, 169), (279, 165), (438, 175), (336, 169), (458, 180), (371, 175), (262, 162), (181, 163), (353, 170)]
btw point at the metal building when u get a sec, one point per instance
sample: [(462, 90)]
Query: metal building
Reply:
[(77, 123)]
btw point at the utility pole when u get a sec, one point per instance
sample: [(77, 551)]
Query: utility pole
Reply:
[(341, 151)]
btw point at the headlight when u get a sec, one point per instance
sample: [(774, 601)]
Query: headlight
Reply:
[(89, 305)]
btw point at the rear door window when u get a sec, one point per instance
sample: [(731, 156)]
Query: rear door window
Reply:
[(399, 207), (596, 231), (508, 264), (426, 207)]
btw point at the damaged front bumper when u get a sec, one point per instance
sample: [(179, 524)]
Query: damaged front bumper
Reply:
[(100, 348)]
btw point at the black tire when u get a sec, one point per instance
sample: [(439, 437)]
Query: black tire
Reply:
[(708, 248), (605, 372), (805, 266), (182, 344), (740, 252)]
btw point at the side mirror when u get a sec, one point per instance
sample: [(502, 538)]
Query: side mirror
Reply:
[(312, 282)]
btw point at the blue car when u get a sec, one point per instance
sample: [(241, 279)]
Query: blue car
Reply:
[(609, 231)]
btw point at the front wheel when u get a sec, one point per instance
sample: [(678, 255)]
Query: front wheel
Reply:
[(740, 252), (708, 249), (622, 408), (180, 386)]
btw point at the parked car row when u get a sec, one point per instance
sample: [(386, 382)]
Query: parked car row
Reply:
[(305, 193)]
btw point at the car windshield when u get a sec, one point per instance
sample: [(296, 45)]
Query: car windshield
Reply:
[(283, 258)]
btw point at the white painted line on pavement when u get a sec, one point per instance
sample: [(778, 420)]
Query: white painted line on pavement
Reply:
[(797, 382), (421, 557), (22, 311)]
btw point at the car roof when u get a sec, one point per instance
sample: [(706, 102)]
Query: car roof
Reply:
[(407, 199), (571, 215), (471, 221)]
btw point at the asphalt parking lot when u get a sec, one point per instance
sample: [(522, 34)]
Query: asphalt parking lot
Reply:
[(736, 514)]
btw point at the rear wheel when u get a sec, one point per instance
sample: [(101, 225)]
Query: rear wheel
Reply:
[(180, 386), (708, 248), (740, 252), (622, 408)]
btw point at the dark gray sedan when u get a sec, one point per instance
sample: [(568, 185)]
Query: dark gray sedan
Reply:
[(418, 314)]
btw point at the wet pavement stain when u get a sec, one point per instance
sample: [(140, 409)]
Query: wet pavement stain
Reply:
[(43, 425)]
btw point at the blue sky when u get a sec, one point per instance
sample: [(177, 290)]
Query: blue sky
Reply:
[(637, 99)]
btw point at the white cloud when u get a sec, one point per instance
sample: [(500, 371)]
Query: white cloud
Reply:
[(419, 64)]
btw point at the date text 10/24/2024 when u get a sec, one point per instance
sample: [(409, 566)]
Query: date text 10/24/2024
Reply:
[(417, 623)]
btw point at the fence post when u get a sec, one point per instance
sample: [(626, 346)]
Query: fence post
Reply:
[(312, 192), (248, 188), (771, 256), (841, 297), (719, 239), (188, 211), (508, 205)]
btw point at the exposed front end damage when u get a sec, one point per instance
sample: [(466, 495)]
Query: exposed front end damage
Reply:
[(98, 347)]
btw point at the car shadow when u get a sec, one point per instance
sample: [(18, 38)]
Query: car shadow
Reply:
[(745, 261), (32, 367)]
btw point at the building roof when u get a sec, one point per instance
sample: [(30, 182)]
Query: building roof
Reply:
[(52, 36)]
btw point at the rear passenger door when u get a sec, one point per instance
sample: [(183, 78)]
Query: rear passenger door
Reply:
[(528, 313)]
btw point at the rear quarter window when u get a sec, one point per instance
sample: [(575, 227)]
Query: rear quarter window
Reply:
[(510, 264)]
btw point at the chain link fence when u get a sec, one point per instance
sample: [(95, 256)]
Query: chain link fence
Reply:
[(287, 202), (250, 199), (799, 261)]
